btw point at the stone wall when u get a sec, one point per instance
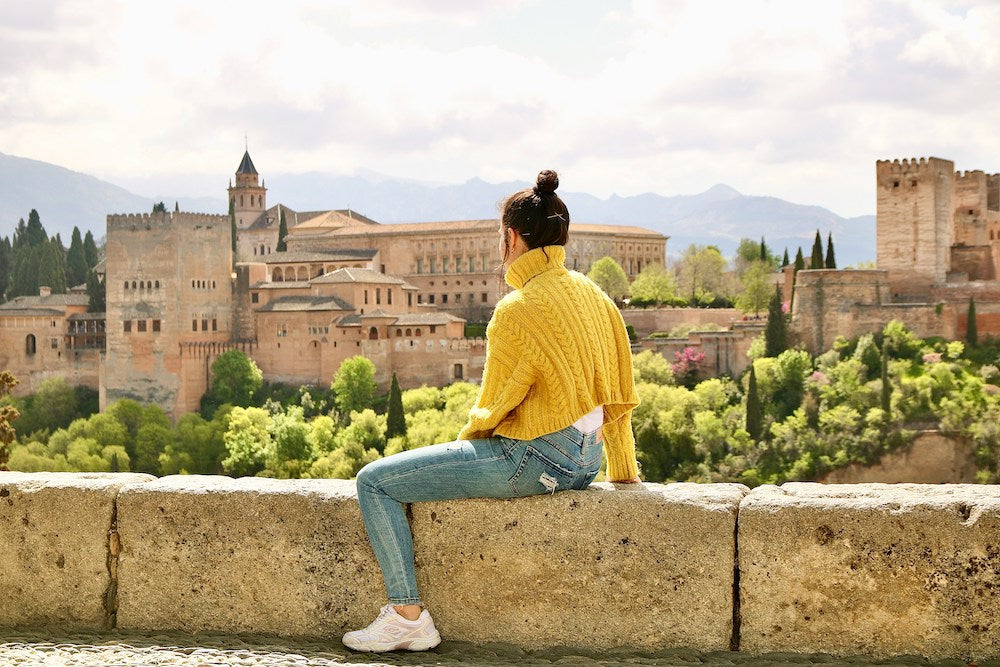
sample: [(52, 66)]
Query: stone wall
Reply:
[(932, 458), (649, 320), (843, 569)]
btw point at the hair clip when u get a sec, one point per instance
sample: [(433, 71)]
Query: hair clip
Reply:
[(556, 215)]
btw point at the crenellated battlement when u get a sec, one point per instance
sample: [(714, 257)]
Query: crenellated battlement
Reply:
[(911, 167), (146, 221)]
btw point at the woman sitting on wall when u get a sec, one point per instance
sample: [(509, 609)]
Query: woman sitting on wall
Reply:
[(557, 389)]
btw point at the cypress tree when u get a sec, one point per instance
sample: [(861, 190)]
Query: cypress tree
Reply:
[(831, 260), (76, 261), (282, 233), (816, 261), (395, 420), (776, 331), (971, 329), (96, 294), (886, 388), (177, 207), (36, 235), (784, 260), (90, 250), (800, 261), (232, 224), (763, 250), (754, 412), (4, 267), (159, 207)]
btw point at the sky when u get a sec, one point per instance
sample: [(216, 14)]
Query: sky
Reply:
[(792, 99)]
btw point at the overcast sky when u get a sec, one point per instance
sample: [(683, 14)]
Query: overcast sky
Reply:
[(792, 99)]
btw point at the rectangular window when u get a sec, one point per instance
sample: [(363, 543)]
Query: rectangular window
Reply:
[(141, 326), (444, 298), (54, 342), (483, 297), (194, 325), (156, 326), (366, 297), (420, 265), (215, 324), (458, 297), (389, 296), (444, 265), (128, 326), (472, 265), (409, 298), (383, 269), (458, 265), (378, 296), (433, 265), (282, 331), (433, 328), (204, 325), (430, 298), (254, 297), (420, 298)]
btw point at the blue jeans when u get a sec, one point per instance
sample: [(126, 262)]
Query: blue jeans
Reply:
[(495, 467)]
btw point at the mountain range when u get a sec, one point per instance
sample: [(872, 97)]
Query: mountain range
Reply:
[(720, 216)]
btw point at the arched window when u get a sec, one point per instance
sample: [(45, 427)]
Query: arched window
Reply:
[(213, 284), (133, 284), (261, 249), (29, 344), (409, 332), (277, 277), (373, 334), (126, 284), (418, 332), (157, 284), (241, 200)]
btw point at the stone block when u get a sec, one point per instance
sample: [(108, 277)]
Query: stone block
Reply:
[(213, 553), (55, 557), (647, 566), (871, 569)]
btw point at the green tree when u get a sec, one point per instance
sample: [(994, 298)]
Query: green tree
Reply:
[(247, 440), (159, 207), (395, 419), (755, 411), (292, 453), (90, 251), (756, 288), (177, 207), (282, 233), (53, 406), (654, 284), (232, 225), (831, 260), (5, 267), (651, 367), (776, 331), (800, 261), (95, 293), (354, 385), (784, 260), (971, 330), (700, 272), (76, 261), (610, 277), (816, 261), (235, 379)]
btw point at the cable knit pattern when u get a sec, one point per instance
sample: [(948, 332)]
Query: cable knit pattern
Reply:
[(556, 349)]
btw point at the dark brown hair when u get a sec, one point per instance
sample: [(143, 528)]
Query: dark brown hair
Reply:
[(537, 214)]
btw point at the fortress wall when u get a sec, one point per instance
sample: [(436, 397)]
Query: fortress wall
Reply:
[(868, 569), (648, 320)]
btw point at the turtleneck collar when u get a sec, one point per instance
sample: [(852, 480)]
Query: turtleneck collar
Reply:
[(533, 262)]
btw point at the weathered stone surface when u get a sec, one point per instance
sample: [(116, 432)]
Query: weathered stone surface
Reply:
[(55, 564), (211, 553), (873, 569), (647, 566)]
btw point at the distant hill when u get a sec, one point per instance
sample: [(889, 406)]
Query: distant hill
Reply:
[(720, 215)]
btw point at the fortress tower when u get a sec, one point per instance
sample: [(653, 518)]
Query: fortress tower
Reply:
[(169, 290), (915, 223), (248, 198)]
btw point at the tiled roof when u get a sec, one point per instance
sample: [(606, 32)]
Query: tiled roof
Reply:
[(295, 256), (288, 284), (50, 301), (29, 312), (408, 319), (301, 303), (352, 275), (448, 227), (246, 165)]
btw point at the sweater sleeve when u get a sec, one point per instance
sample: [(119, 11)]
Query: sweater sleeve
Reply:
[(507, 376), (619, 439)]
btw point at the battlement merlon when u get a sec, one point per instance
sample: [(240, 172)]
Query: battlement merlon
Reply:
[(136, 221), (910, 167)]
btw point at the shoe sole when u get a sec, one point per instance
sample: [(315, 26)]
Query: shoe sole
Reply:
[(412, 645)]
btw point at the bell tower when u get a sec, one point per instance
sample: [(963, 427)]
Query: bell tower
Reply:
[(248, 197)]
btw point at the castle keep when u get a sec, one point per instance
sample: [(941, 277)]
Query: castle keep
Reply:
[(938, 245)]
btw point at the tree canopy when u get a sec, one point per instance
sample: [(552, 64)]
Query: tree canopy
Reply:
[(354, 384), (610, 277)]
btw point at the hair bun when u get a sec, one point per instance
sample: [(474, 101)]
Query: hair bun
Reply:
[(547, 182)]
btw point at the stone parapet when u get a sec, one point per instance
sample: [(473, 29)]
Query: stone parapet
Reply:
[(873, 569), (287, 557), (57, 546), (647, 567)]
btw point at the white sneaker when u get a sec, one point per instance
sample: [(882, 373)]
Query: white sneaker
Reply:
[(392, 632)]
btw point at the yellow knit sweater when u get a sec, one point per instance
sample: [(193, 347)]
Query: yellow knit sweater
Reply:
[(556, 349)]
